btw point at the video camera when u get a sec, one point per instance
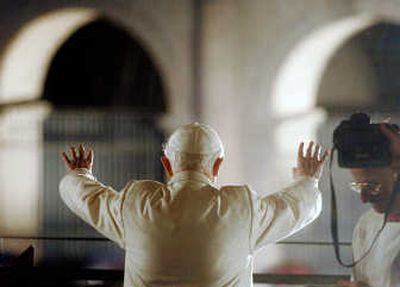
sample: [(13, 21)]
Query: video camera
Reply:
[(361, 144)]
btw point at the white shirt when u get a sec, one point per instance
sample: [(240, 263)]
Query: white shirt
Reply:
[(189, 232), (381, 267)]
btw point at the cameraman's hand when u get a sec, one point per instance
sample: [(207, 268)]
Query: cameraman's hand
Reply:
[(394, 138), (78, 161), (311, 163), (346, 283)]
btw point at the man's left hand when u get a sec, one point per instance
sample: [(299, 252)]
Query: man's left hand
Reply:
[(80, 160), (309, 163)]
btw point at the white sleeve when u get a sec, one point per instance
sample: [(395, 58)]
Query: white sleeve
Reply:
[(97, 204), (281, 214)]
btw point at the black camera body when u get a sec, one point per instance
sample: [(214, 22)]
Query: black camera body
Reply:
[(361, 144)]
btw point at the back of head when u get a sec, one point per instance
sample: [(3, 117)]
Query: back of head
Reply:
[(194, 147)]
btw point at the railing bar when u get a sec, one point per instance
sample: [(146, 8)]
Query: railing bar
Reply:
[(326, 243), (55, 238), (17, 237), (297, 279), (54, 274)]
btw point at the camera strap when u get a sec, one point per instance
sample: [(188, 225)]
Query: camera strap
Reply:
[(334, 218)]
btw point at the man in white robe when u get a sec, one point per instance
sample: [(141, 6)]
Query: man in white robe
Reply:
[(189, 231)]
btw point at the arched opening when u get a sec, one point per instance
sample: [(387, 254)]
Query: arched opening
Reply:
[(298, 79), (26, 59), (104, 89), (361, 76), (296, 87), (23, 66), (371, 58), (353, 68), (106, 92), (326, 72), (101, 65)]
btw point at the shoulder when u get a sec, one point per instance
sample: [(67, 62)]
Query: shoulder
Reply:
[(140, 191), (239, 198), (369, 217), (143, 186), (146, 183), (236, 192), (368, 223), (234, 189)]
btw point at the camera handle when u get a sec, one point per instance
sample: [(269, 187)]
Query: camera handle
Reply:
[(334, 217)]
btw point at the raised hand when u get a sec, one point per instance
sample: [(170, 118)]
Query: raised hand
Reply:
[(79, 160), (309, 164)]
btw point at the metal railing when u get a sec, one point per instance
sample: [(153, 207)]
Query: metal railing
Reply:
[(53, 274)]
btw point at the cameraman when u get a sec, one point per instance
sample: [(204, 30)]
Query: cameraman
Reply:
[(381, 266)]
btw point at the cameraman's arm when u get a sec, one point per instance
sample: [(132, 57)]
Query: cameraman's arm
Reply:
[(394, 138)]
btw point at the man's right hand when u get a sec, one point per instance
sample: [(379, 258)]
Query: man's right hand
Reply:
[(310, 163), (79, 160)]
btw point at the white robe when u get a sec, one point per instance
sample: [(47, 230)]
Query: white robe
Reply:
[(189, 232), (381, 267)]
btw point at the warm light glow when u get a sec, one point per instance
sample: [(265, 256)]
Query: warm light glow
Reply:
[(297, 81), (23, 69), (295, 91), (26, 60), (290, 132), (21, 158)]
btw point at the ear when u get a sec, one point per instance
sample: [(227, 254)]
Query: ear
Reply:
[(216, 166), (167, 166)]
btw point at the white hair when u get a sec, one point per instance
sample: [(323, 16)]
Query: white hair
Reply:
[(186, 161)]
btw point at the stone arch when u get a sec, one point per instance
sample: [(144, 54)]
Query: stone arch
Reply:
[(298, 78), (363, 73), (27, 57), (296, 86), (23, 68), (102, 65), (299, 109), (107, 93)]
